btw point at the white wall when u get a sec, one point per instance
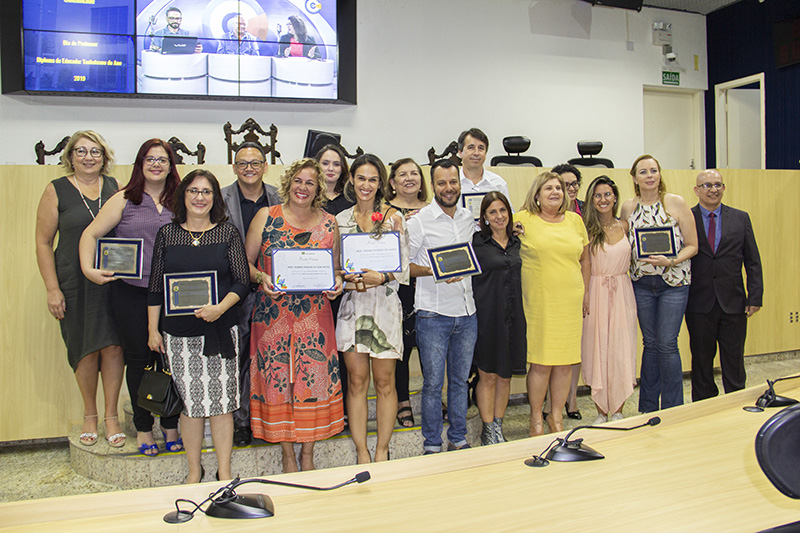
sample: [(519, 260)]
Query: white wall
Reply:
[(426, 70)]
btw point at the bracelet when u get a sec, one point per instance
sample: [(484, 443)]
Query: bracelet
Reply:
[(386, 277), (258, 277)]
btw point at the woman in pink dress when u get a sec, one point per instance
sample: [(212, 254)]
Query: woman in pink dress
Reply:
[(608, 346)]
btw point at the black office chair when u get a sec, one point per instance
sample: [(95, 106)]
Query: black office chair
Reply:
[(516, 144), (591, 149), (778, 450)]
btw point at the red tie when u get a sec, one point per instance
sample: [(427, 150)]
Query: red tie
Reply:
[(712, 231)]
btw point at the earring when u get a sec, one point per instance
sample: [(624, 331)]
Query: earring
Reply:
[(486, 222)]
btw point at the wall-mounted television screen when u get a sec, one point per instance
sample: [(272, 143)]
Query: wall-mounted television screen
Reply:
[(242, 49)]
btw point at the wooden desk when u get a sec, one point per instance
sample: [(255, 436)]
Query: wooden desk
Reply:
[(696, 471)]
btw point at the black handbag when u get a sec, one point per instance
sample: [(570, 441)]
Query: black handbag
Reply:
[(157, 392)]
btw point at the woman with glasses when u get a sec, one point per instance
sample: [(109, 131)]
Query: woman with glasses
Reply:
[(660, 283), (203, 347), (608, 346), (67, 206), (137, 212), (295, 394), (297, 42), (555, 272)]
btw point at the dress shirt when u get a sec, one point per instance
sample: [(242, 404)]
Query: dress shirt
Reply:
[(718, 232), (489, 182), (432, 228)]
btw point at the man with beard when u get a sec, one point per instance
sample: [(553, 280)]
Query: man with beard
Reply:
[(172, 29), (243, 198), (446, 321)]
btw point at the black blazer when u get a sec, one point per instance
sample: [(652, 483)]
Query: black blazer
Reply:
[(719, 276)]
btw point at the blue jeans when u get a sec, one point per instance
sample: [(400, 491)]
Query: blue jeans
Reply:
[(445, 340), (660, 308)]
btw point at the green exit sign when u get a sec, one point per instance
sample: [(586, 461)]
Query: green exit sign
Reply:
[(671, 78)]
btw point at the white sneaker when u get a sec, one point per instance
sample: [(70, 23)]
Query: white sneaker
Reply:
[(616, 416), (601, 419)]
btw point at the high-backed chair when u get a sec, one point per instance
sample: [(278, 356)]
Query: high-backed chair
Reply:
[(253, 129), (451, 153), (178, 146), (317, 140), (778, 450), (42, 152), (591, 149), (516, 144)]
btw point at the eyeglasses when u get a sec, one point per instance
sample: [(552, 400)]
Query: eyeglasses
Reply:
[(194, 191), (573, 185), (242, 165), (715, 186), (174, 18), (81, 152), (600, 196), (152, 161)]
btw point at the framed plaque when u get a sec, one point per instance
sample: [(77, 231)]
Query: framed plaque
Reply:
[(187, 292), (123, 257), (472, 202), (452, 261), (655, 241), (304, 270), (364, 250)]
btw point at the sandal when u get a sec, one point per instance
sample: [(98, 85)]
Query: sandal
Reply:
[(117, 440), (144, 447), (88, 438), (406, 421), (174, 445)]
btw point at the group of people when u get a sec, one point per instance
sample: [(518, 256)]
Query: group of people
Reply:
[(296, 42), (560, 286)]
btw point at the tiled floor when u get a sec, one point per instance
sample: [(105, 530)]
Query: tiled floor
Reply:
[(43, 470)]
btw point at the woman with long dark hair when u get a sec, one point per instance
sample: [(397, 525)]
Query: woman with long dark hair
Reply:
[(137, 212)]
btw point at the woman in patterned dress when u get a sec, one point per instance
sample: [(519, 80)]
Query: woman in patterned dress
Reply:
[(660, 283), (370, 326), (296, 395), (202, 348)]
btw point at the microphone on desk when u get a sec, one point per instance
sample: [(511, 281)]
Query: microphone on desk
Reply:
[(770, 399), (225, 503), (565, 450)]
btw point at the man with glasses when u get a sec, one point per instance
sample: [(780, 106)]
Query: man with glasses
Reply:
[(173, 28), (719, 306), (243, 199), (237, 41)]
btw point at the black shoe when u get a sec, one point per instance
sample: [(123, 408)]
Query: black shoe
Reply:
[(242, 436), (575, 415)]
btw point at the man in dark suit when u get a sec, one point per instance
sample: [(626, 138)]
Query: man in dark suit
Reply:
[(243, 199), (718, 306)]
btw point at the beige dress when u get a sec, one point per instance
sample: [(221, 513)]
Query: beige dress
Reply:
[(608, 346)]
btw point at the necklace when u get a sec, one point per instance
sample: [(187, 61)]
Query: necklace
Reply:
[(613, 224), (99, 195), (196, 240)]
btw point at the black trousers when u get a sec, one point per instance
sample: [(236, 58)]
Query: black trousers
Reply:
[(241, 417), (129, 312), (706, 332), (401, 373)]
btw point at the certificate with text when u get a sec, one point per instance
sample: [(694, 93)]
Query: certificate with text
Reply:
[(454, 260), (366, 250), (123, 257), (471, 201), (655, 241), (186, 292), (306, 270)]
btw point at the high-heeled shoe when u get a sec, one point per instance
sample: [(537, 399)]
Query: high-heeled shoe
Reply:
[(88, 438), (575, 415), (555, 427), (117, 440)]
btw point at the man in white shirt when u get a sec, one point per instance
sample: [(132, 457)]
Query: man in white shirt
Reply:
[(447, 326), (472, 147)]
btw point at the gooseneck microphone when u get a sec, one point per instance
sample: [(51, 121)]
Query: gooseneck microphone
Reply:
[(566, 450), (225, 503), (770, 399)]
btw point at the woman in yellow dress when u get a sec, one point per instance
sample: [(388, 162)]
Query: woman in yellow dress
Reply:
[(555, 273)]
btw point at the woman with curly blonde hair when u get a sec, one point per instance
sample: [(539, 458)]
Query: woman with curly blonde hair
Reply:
[(295, 391)]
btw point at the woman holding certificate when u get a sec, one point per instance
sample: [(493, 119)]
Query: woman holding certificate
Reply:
[(369, 329), (408, 194), (501, 347), (67, 206), (660, 280), (295, 391), (137, 212), (200, 264), (555, 272), (608, 347)]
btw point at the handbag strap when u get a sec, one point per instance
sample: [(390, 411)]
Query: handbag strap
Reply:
[(158, 362)]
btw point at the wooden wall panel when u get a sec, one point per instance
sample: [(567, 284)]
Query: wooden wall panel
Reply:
[(40, 398)]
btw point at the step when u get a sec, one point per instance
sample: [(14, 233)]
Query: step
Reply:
[(126, 468)]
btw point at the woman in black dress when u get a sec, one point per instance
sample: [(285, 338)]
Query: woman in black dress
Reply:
[(202, 348), (500, 350)]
